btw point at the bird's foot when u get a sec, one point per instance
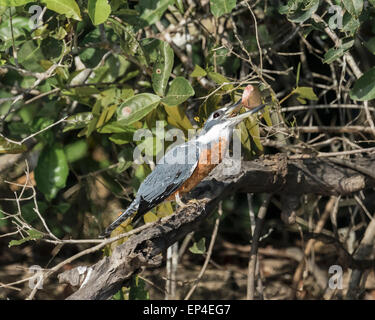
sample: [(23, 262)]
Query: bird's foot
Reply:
[(193, 201), (179, 202), (182, 205)]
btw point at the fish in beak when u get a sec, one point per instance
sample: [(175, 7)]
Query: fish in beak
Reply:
[(234, 118)]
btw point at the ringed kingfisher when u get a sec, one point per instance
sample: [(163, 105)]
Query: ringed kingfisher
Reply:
[(185, 165)]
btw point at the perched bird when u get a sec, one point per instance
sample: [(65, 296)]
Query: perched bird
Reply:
[(185, 165)]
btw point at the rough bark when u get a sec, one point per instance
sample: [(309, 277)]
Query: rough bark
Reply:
[(270, 174)]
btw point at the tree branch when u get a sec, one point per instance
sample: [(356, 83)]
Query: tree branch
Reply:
[(270, 174)]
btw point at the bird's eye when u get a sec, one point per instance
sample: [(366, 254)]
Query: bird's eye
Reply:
[(216, 114)]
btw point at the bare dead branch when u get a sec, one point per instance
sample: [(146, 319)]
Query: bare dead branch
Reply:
[(271, 174)]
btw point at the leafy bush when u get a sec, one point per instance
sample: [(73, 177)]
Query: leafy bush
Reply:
[(80, 77)]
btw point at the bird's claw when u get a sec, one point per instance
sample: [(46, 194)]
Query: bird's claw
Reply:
[(182, 205), (179, 202)]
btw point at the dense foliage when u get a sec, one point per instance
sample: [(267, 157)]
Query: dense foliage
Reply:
[(79, 77)]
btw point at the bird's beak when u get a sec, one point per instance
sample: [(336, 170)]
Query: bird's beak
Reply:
[(233, 110)]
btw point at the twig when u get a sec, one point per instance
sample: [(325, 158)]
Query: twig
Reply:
[(309, 246), (332, 129), (184, 244), (40, 77), (12, 33), (171, 267), (257, 40), (365, 250), (353, 166), (254, 247), (209, 252), (2, 285), (91, 250), (324, 106), (336, 40), (34, 134), (152, 284), (360, 203), (369, 117)]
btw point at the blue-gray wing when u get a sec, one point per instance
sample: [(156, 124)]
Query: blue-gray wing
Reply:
[(170, 173)]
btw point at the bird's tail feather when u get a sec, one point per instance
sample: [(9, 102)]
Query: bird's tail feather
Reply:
[(125, 215)]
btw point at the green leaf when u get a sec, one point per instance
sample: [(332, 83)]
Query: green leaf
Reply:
[(91, 126), (335, 53), (162, 68), (30, 55), (119, 295), (180, 5), (198, 247), (164, 209), (128, 41), (179, 91), (18, 242), (51, 48), (354, 7), (99, 11), (108, 97), (150, 217), (306, 93), (252, 126), (14, 3), (370, 45), (60, 34), (78, 121), (150, 145), (350, 25), (125, 159), (198, 72), (220, 79), (28, 212), (106, 115), (20, 25), (51, 171), (267, 116), (141, 172), (177, 117), (33, 235), (3, 220), (245, 140), (10, 147), (299, 11), (76, 150), (136, 107), (220, 7), (151, 11), (68, 7), (41, 123), (298, 73), (116, 127), (364, 87), (122, 138), (138, 289), (151, 49)]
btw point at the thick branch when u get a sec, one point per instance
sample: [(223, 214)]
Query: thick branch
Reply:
[(274, 174)]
